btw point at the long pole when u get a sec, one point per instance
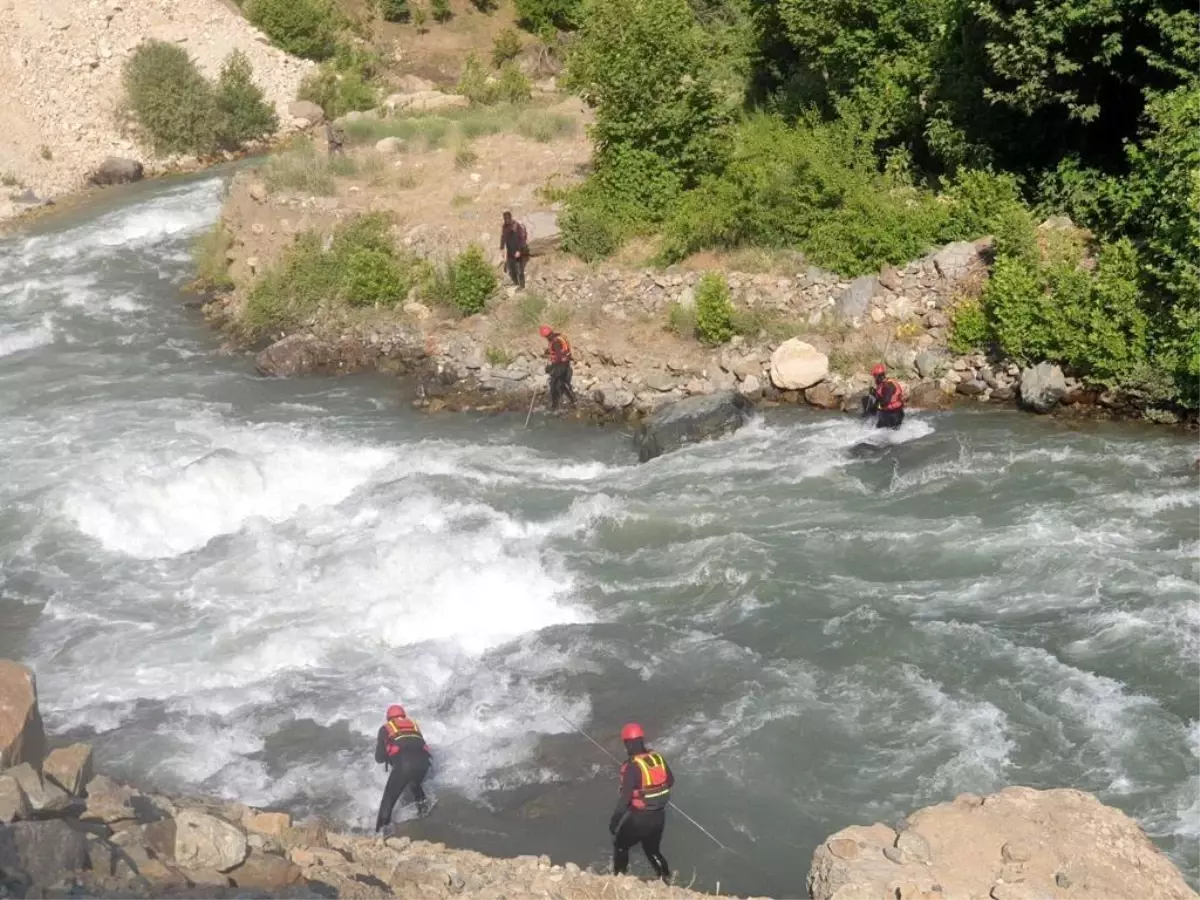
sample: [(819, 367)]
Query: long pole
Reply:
[(532, 400)]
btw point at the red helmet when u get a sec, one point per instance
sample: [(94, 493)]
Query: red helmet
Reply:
[(632, 732), (545, 331), (395, 711), (879, 369)]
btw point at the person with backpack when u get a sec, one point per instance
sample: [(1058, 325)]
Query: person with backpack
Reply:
[(514, 241), (401, 748), (558, 349), (885, 400)]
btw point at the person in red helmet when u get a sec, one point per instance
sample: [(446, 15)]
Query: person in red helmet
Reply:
[(401, 748), (885, 400), (641, 813), (558, 348)]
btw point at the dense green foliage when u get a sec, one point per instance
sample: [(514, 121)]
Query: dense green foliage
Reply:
[(306, 28), (395, 10), (345, 83), (870, 131), (361, 267), (179, 111), (714, 309), (465, 282), (440, 10), (506, 47), (510, 86)]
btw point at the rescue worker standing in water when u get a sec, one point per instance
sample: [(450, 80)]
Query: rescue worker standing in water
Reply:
[(641, 812), (558, 348), (885, 400), (401, 747)]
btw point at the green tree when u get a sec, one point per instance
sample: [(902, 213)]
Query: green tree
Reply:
[(714, 309), (441, 11), (395, 10), (540, 16), (243, 114), (172, 102), (640, 64), (306, 28)]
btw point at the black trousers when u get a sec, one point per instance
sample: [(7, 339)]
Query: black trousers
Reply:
[(516, 269), (408, 771), (889, 418), (560, 383), (645, 828)]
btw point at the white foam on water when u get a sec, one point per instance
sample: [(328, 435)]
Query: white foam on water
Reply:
[(19, 339)]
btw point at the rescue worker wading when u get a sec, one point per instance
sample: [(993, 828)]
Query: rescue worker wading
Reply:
[(558, 348), (402, 748), (885, 400), (641, 812)]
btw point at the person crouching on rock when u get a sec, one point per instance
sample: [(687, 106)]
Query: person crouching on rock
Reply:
[(641, 812), (401, 747), (558, 348), (885, 400)]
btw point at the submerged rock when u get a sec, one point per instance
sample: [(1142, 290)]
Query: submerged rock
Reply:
[(690, 421), (1042, 387), (1019, 842)]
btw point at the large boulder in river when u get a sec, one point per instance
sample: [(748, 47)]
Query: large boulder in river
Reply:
[(796, 365), (691, 421), (22, 738), (117, 170), (1019, 843), (1042, 387)]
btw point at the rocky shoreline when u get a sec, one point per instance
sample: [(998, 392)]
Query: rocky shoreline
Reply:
[(66, 831)]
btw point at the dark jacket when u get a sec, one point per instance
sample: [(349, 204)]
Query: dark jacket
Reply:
[(513, 238), (631, 780)]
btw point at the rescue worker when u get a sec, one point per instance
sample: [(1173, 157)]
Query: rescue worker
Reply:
[(885, 400), (641, 812), (515, 243), (401, 747), (558, 348)]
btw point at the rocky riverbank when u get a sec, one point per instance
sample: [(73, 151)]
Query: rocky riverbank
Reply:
[(66, 831)]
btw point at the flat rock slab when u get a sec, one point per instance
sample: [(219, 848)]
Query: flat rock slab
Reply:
[(691, 421)]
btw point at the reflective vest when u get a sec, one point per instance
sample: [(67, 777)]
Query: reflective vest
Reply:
[(653, 791), (560, 349), (399, 731), (897, 401)]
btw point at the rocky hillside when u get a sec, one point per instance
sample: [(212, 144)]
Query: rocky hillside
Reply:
[(66, 831), (61, 68)]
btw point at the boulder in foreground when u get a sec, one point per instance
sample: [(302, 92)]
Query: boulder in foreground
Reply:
[(691, 421), (117, 170), (22, 738), (1019, 843)]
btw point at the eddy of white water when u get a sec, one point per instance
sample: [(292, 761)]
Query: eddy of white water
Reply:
[(222, 581)]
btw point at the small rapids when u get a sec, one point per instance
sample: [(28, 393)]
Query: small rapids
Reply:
[(223, 580)]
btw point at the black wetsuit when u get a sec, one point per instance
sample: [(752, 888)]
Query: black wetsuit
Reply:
[(516, 248), (559, 371), (409, 768), (882, 395), (630, 826)]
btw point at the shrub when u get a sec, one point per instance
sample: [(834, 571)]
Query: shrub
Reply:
[(420, 18), (486, 6), (298, 167), (714, 310), (510, 87), (343, 84), (441, 11), (969, 329), (506, 47), (465, 156), (372, 276), (242, 112), (588, 232), (498, 356), (540, 16), (682, 319), (394, 10), (544, 126), (210, 257), (529, 309), (473, 82), (173, 104), (306, 28), (513, 86), (466, 282)]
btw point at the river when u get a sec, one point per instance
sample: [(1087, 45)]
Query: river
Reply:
[(223, 580)]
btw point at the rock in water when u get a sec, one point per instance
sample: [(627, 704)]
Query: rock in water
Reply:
[(690, 421), (1042, 387), (1010, 844), (796, 366), (296, 354), (206, 842), (22, 738), (117, 170)]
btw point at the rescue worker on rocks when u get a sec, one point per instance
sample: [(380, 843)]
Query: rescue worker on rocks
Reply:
[(641, 812), (515, 243), (401, 747), (558, 348), (885, 400)]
